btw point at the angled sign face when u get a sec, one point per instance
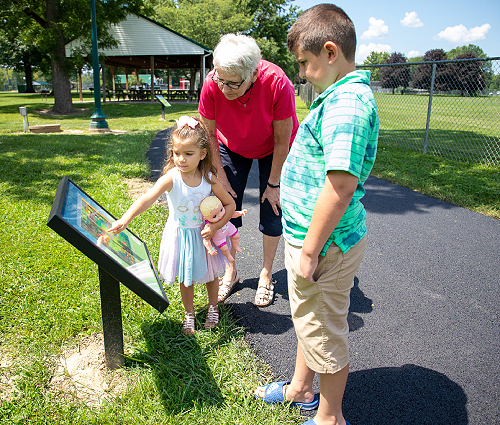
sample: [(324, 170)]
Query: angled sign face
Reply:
[(83, 222)]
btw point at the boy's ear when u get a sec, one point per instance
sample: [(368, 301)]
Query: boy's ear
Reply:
[(332, 49)]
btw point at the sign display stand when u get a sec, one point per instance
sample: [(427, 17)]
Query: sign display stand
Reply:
[(164, 102), (120, 258), (111, 313)]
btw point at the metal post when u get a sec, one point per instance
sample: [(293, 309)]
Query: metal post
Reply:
[(429, 108), (111, 311), (98, 122), (24, 113)]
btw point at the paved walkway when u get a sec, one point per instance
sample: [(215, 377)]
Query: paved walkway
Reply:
[(424, 316)]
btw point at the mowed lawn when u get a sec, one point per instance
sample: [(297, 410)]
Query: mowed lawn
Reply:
[(49, 291)]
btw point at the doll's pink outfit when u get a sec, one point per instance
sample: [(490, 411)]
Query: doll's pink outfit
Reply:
[(220, 237)]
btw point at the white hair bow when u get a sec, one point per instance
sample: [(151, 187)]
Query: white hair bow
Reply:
[(185, 120)]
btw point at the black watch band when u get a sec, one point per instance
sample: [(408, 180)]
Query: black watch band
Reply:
[(274, 186)]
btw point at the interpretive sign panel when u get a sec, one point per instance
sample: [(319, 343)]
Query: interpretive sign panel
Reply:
[(83, 223), (162, 100)]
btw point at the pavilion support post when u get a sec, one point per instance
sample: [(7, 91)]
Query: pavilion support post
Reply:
[(152, 58), (126, 83), (80, 85), (103, 67), (113, 73), (168, 83), (137, 78)]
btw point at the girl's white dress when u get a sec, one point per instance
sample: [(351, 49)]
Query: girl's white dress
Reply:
[(182, 253)]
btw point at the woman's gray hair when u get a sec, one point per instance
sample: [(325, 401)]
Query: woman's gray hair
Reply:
[(237, 54)]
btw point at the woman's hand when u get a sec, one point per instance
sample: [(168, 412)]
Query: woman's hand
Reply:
[(272, 194), (225, 183)]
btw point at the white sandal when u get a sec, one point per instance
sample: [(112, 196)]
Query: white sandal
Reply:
[(188, 326), (212, 317), (265, 294), (225, 288)]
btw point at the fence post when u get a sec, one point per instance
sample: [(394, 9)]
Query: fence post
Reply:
[(429, 108)]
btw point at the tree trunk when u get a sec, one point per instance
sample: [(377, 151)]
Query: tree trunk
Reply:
[(28, 72), (63, 103), (80, 85)]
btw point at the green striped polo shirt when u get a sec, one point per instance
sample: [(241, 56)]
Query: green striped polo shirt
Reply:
[(339, 133)]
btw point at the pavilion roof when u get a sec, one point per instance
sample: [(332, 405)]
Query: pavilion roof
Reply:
[(139, 38)]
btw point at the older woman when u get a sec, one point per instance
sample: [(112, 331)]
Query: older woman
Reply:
[(248, 107)]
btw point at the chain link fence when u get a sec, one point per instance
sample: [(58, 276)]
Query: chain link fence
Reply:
[(446, 108)]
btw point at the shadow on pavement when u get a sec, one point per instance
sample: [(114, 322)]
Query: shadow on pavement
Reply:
[(408, 394)]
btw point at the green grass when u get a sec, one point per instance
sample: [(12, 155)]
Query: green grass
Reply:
[(461, 128), (50, 294), (49, 291)]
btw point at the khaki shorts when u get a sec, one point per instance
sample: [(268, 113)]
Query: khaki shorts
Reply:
[(320, 308)]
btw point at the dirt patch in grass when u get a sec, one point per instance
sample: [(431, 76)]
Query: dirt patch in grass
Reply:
[(81, 372), (7, 379), (137, 187)]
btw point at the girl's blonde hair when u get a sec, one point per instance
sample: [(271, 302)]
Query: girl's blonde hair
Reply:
[(200, 136)]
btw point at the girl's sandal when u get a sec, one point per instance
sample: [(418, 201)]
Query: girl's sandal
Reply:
[(225, 288), (188, 326), (212, 317), (265, 294)]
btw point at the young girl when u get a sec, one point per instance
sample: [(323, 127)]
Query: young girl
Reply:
[(187, 179)]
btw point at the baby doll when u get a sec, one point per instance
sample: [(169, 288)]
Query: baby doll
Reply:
[(212, 210)]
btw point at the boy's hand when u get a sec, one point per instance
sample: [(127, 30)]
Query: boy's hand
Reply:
[(308, 266)]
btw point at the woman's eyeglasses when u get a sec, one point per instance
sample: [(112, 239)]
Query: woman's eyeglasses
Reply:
[(232, 86)]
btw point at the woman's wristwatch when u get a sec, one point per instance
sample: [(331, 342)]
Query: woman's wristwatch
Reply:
[(274, 186)]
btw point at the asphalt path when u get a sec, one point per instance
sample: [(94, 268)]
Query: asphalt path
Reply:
[(424, 315)]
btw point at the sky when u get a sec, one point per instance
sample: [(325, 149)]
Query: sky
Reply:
[(413, 28)]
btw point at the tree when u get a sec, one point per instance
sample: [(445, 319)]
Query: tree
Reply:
[(443, 79), (395, 76), (17, 49), (375, 58), (205, 22), (469, 76), (471, 48), (202, 21), (272, 19), (51, 23)]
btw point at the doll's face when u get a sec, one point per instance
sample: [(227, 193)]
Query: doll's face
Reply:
[(216, 214)]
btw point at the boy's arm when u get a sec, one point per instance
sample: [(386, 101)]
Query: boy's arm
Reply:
[(332, 202)]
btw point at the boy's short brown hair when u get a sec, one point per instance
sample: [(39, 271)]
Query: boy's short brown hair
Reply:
[(322, 23)]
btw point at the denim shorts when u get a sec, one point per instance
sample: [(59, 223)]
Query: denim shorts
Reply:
[(237, 169)]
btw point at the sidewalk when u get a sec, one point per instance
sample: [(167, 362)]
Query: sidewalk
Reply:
[(424, 315)]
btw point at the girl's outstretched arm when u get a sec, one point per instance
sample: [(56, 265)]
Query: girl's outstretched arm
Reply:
[(229, 205), (163, 184)]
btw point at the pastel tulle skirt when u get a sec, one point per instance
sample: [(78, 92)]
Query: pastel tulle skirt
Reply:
[(183, 256)]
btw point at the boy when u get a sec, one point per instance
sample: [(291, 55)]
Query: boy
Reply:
[(324, 223)]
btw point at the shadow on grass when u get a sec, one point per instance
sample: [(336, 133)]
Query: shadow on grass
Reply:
[(408, 394), (183, 377), (32, 165)]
